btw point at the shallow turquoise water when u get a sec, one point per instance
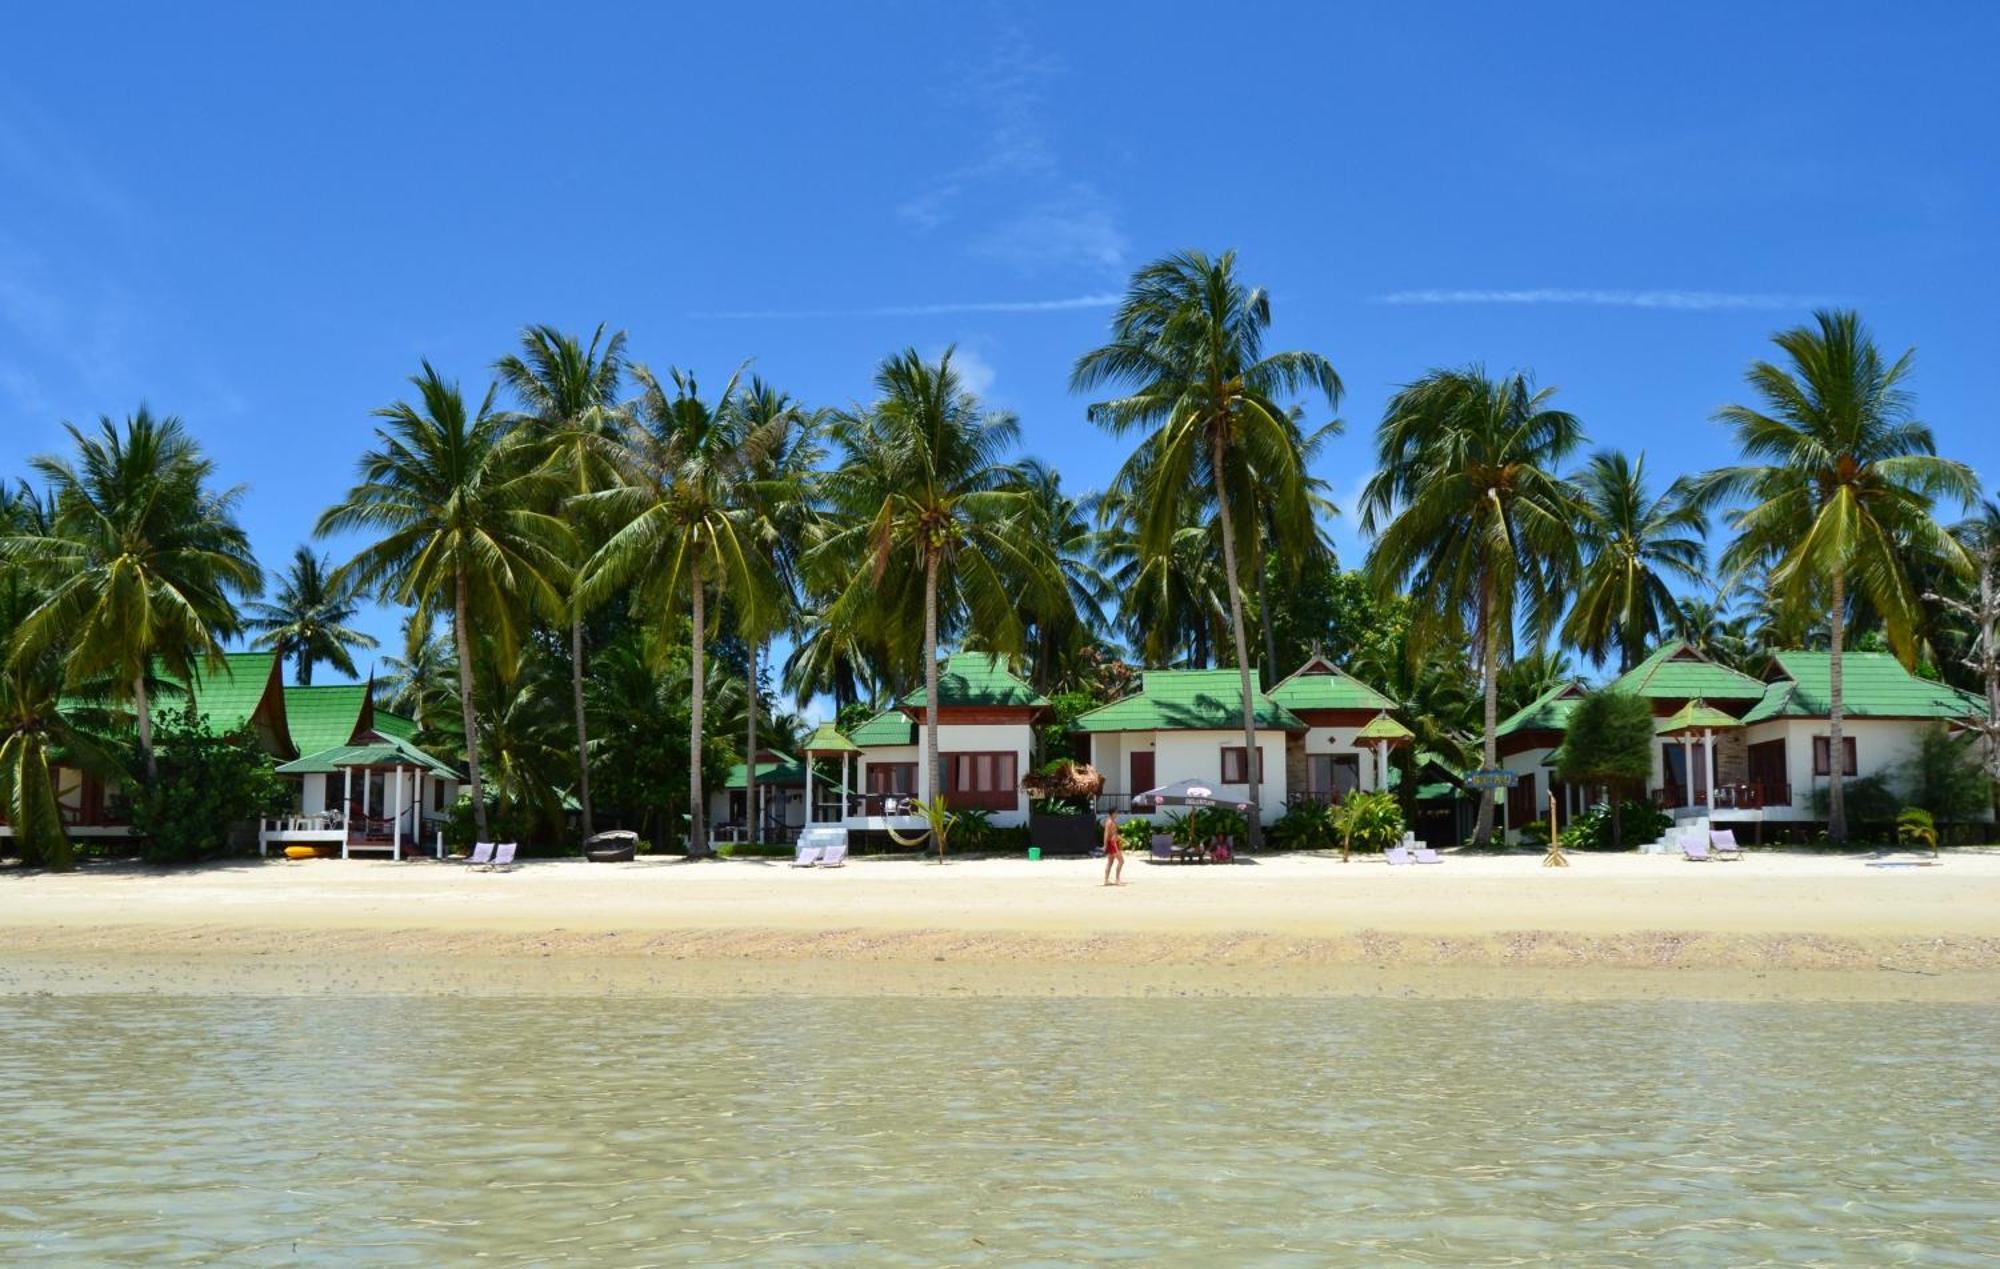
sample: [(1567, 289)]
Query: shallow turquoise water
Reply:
[(412, 1130)]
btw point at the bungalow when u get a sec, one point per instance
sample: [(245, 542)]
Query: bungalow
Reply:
[(1756, 750), (986, 720), (1188, 725), (1332, 758), (364, 785), (781, 797)]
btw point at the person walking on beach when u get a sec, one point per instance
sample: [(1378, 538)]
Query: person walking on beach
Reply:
[(1114, 851)]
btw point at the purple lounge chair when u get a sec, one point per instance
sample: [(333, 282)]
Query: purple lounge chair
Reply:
[(1162, 849), (1397, 855), (1723, 843), (1425, 855), (1695, 847)]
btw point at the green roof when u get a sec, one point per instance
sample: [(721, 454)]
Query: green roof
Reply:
[(1383, 727), (394, 725), (826, 738), (1873, 685), (783, 769), (1320, 685), (324, 716), (377, 753), (976, 678), (230, 695), (1187, 700), (890, 727), (1547, 712), (1697, 715), (1677, 672)]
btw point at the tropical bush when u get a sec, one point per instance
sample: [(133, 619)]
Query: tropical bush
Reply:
[(1944, 776), (1136, 834), (207, 785), (1868, 801), (1916, 828), (1369, 821), (1592, 830), (1307, 826), (1205, 823)]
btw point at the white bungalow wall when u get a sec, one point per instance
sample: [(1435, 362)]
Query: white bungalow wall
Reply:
[(1191, 755), (1014, 738), (1340, 740)]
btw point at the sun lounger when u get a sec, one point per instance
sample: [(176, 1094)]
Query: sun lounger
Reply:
[(1424, 854), (482, 853), (1162, 849), (1723, 843), (804, 856), (1695, 847), (835, 854), (503, 855), (1397, 855)]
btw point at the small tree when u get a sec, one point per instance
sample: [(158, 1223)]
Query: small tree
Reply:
[(1609, 741), (1945, 776)]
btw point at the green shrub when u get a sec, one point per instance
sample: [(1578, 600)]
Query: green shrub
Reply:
[(207, 786), (1136, 834), (1916, 828), (1868, 800), (1370, 822), (1945, 776), (1642, 822), (1307, 826)]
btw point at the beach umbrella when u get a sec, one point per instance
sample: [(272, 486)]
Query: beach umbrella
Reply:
[(1186, 793)]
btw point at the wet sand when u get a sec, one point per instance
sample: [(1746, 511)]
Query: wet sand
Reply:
[(1770, 926)]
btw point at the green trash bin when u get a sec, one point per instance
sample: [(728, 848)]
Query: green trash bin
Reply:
[(1034, 852)]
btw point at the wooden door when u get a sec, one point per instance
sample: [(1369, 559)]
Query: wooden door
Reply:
[(1143, 775)]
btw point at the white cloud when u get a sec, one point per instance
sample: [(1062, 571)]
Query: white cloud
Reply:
[(974, 371), (1078, 229), (1692, 301), (1095, 299)]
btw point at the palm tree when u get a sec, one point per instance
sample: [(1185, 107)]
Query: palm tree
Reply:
[(570, 393), (685, 535), (1469, 513), (460, 525), (926, 501), (1171, 606), (414, 681), (1188, 343), (141, 563), (1632, 544), (309, 621), (778, 494), (1840, 479), (1058, 633)]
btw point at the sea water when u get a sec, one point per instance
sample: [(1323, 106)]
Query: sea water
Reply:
[(881, 1131)]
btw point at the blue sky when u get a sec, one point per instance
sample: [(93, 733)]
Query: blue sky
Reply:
[(261, 217)]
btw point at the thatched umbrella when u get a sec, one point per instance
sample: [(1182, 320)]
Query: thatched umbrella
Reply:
[(1069, 780)]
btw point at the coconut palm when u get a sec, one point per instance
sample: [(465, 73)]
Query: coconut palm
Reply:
[(1187, 342), (925, 500), (141, 565), (1633, 545), (1468, 512), (685, 535), (1838, 486), (1171, 605), (1057, 633), (308, 623), (460, 525), (779, 494), (569, 393), (415, 682)]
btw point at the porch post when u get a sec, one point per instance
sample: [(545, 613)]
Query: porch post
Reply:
[(396, 826), (1708, 764), (347, 808), (809, 790), (1381, 765), (1687, 768)]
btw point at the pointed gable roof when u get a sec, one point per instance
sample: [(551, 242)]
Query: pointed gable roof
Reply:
[(1187, 700), (890, 727), (977, 679), (1320, 684), (826, 738), (1547, 712), (246, 689), (323, 716), (1676, 671)]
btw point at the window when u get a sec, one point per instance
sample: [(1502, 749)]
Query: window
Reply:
[(1235, 769), (981, 781), (892, 778), (1823, 751), (1332, 775)]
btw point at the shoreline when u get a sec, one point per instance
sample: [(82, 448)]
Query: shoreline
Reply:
[(1611, 927)]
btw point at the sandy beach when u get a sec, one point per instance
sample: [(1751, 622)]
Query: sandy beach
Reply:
[(1772, 925)]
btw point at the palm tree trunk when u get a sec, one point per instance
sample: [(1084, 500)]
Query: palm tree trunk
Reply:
[(1836, 758), (1255, 820), (305, 670), (936, 789), (142, 710), (750, 755), (1270, 631), (1489, 744), (463, 640), (582, 729), (698, 657)]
